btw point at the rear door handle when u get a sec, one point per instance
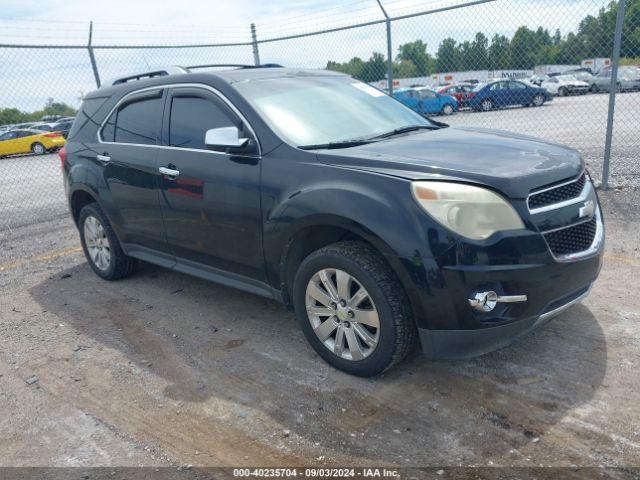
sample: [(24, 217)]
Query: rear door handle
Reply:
[(103, 158), (169, 172)]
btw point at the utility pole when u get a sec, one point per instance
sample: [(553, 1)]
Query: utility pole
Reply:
[(254, 42), (92, 57), (617, 40), (389, 49)]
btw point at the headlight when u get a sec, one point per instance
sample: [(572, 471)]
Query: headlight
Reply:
[(472, 212)]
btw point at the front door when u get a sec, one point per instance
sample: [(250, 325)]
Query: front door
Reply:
[(211, 204)]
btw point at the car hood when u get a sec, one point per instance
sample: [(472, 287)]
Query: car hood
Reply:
[(514, 164)]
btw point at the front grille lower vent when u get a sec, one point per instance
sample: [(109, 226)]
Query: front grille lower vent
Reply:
[(574, 239), (557, 195)]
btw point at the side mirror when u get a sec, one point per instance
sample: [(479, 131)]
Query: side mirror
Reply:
[(224, 137)]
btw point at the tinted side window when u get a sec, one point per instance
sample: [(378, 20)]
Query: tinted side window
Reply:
[(109, 130), (137, 122), (7, 136), (191, 117)]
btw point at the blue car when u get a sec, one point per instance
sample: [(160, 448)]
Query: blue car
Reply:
[(504, 93), (425, 101)]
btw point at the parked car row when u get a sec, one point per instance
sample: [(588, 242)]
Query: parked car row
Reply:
[(61, 124), (480, 97), (581, 80)]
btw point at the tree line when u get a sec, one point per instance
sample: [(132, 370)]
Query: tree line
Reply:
[(524, 50), (9, 116)]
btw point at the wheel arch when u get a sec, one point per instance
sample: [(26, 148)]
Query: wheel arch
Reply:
[(319, 231), (79, 197)]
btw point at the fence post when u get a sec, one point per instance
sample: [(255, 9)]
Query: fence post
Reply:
[(92, 57), (617, 40), (389, 50), (254, 42)]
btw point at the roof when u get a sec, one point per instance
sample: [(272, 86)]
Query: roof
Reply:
[(227, 76)]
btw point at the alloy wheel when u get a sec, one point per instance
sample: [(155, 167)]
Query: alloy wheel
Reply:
[(342, 314), (97, 243)]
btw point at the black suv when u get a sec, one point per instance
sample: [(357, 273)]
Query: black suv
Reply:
[(378, 226)]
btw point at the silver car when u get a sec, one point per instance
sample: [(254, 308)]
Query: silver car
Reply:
[(628, 80)]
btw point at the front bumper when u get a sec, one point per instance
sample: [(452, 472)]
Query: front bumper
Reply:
[(465, 344), (514, 265)]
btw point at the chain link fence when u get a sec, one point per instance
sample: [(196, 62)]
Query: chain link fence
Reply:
[(457, 48)]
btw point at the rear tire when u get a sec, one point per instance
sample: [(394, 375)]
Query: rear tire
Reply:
[(101, 246), (366, 275), (562, 92), (38, 149), (594, 88)]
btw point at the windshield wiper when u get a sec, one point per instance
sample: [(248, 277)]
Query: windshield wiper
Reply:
[(340, 144), (408, 128)]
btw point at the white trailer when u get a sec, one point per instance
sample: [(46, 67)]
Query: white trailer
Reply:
[(596, 64)]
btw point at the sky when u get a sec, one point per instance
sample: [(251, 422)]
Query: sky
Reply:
[(29, 76)]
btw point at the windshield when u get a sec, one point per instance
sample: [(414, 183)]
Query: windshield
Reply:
[(326, 109)]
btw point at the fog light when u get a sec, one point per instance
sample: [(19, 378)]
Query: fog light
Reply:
[(487, 301)]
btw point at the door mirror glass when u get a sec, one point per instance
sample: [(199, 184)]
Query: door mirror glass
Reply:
[(224, 137)]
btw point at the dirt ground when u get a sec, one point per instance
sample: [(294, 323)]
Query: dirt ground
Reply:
[(162, 369)]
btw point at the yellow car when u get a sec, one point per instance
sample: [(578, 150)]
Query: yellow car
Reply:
[(27, 140)]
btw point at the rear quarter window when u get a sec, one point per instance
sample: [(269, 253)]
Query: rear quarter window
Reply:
[(87, 117)]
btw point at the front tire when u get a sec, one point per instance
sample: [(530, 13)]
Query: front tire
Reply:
[(447, 109), (101, 246), (562, 92), (352, 309)]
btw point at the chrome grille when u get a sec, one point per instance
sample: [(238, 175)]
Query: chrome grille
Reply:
[(574, 239), (558, 194)]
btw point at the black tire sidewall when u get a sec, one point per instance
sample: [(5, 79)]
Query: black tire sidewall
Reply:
[(33, 149), (94, 211), (382, 357)]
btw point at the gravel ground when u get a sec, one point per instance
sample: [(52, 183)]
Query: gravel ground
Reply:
[(31, 187), (162, 369)]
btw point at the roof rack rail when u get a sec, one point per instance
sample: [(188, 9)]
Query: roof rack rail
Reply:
[(156, 73), (235, 65), (173, 70)]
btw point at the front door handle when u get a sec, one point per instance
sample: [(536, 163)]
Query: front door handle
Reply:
[(103, 158), (169, 172)]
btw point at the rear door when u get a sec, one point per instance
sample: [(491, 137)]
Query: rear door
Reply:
[(519, 94), (128, 150), (23, 141), (212, 206), (430, 101)]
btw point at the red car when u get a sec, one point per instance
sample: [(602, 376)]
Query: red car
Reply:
[(461, 92)]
